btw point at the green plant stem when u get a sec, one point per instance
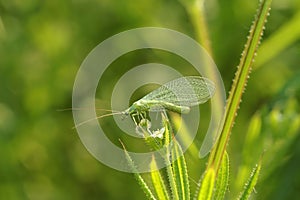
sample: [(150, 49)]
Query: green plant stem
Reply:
[(239, 83), (196, 11), (197, 14)]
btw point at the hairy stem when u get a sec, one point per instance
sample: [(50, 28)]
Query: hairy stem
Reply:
[(239, 83)]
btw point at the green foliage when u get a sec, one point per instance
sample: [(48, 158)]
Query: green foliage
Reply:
[(275, 44), (218, 161), (42, 44), (138, 177), (240, 82), (222, 179), (180, 172), (179, 169), (273, 131), (249, 186), (158, 182), (170, 173), (207, 185), (176, 167)]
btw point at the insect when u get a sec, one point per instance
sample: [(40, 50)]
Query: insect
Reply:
[(177, 95)]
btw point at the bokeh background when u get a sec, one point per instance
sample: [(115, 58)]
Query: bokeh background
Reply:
[(43, 43)]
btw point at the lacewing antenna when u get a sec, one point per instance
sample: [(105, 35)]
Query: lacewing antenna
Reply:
[(114, 112), (78, 109), (99, 117)]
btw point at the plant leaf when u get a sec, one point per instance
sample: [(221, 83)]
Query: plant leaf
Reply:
[(158, 182), (170, 174), (180, 172), (137, 176), (207, 185), (222, 179), (249, 186)]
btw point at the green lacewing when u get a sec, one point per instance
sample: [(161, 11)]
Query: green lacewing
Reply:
[(177, 95)]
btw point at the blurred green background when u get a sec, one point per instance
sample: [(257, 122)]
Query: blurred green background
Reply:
[(42, 44)]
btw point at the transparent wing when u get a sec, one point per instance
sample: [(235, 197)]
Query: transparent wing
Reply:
[(184, 91)]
